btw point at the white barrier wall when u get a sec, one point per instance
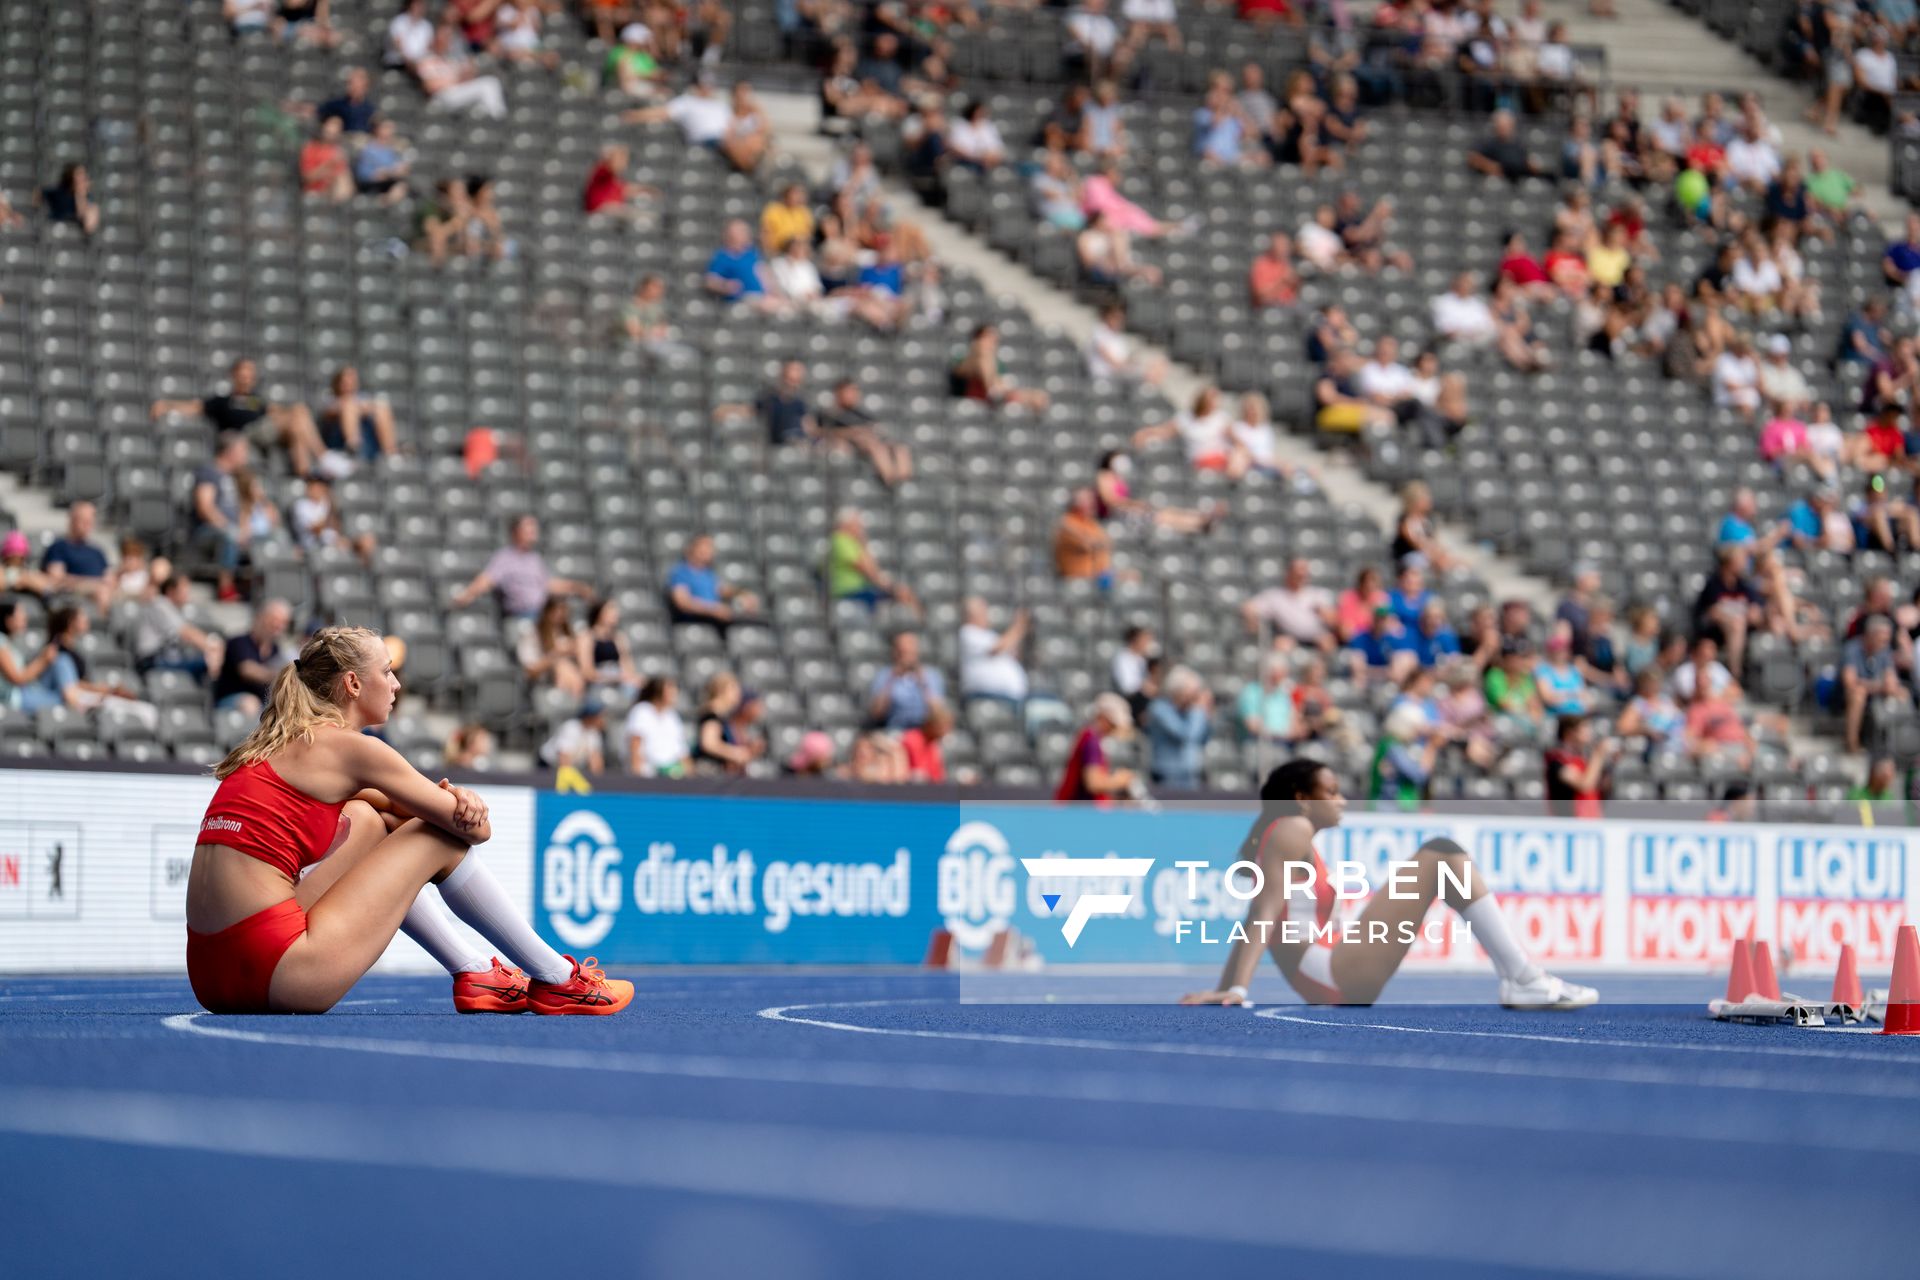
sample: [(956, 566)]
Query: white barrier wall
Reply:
[(93, 868)]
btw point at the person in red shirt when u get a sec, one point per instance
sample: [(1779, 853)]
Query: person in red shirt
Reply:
[(1566, 265), (1576, 768), (925, 760), (324, 167), (608, 193), (1088, 776), (1273, 281), (1706, 154), (1518, 264), (1886, 445)]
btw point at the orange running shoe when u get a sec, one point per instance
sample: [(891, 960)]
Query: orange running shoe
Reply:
[(498, 990), (587, 990)]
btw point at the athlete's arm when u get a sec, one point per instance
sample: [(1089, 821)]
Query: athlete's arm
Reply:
[(1292, 843), (371, 764)]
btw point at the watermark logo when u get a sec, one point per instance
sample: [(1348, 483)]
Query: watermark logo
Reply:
[(1088, 905)]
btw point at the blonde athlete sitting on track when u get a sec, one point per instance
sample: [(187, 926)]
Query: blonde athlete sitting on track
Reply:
[(1302, 798), (308, 792)]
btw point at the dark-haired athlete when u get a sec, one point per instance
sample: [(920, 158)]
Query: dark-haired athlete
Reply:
[(1300, 799)]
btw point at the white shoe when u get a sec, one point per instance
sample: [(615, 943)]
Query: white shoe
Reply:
[(1546, 992)]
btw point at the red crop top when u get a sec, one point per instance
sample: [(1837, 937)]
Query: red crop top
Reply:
[(259, 813)]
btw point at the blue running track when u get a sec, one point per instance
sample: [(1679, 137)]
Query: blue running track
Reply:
[(837, 1127)]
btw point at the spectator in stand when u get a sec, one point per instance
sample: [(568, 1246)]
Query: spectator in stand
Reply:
[(848, 93), (22, 677), (845, 424), (1055, 193), (580, 741), (1501, 154), (1526, 272), (1137, 650), (1784, 388), (1088, 775), (1111, 356), (1464, 319), (315, 521), (1714, 728), (696, 595), (716, 748), (735, 273), (1434, 639), (1736, 377), (1341, 408), (64, 682), (1179, 723), (353, 107), (783, 407), (243, 410), (1877, 75), (356, 425), (325, 169), (974, 141), (605, 659), (1654, 715), (1413, 532), (1100, 195), (549, 651), (902, 693), (452, 82), (1882, 524), (1901, 263), (1753, 162), (1113, 499), (72, 563), (657, 744), (978, 375), (1383, 649), (469, 746), (252, 659), (1730, 602), (1204, 430), (631, 66), (1512, 697), (1410, 595), (1363, 232), (1106, 256), (608, 194), (1869, 670), (1148, 21), (1576, 769), (69, 202), (409, 35), (1222, 134), (1832, 189), (1296, 609), (1864, 339), (1104, 124), (216, 511), (785, 220), (517, 575), (990, 664), (853, 573), (926, 762), (749, 134), (442, 220), (813, 758), (1252, 434), (520, 41), (382, 164), (163, 639), (645, 322), (1561, 684), (1817, 523), (1092, 40), (1082, 547), (1264, 711), (1273, 281), (1354, 610)]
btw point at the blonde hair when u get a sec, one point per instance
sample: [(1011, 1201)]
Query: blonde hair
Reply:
[(301, 699)]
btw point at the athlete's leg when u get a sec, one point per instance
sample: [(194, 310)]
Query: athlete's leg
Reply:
[(1362, 965), (355, 916)]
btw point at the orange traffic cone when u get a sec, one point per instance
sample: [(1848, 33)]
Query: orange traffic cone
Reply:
[(1740, 981), (1903, 1000), (1846, 979), (1765, 984), (939, 950)]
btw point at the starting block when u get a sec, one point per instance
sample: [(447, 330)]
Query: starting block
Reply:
[(1788, 1009)]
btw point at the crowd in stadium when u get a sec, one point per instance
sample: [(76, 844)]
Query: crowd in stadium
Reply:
[(1475, 692)]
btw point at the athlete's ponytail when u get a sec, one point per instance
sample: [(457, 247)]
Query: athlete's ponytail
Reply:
[(1279, 798), (302, 696)]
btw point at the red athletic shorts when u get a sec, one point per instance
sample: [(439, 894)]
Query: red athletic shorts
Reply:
[(232, 969)]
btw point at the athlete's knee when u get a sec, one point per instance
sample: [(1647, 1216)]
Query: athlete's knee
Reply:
[(1450, 868), (360, 813)]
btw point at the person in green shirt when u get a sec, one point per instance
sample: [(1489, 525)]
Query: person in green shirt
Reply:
[(1509, 686), (852, 571), (1831, 188), (631, 66), (1879, 786)]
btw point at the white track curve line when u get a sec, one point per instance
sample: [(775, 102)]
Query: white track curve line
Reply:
[(1520, 1067), (1770, 1051)]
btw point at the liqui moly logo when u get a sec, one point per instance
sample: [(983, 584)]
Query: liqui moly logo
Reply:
[(1837, 889)]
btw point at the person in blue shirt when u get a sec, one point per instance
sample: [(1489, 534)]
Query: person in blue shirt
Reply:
[(1179, 723), (902, 693), (73, 563), (1863, 340), (1385, 648), (354, 107), (1409, 597), (1740, 527), (1902, 257), (695, 593), (1433, 636), (734, 272), (1220, 127), (1563, 690)]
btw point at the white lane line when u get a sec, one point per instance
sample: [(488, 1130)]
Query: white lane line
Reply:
[(100, 997), (1770, 1051), (1528, 1068), (1181, 1194)]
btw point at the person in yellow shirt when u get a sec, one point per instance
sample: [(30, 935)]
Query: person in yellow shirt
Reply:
[(785, 220), (1608, 257)]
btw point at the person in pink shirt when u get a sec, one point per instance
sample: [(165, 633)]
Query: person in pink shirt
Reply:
[(1101, 194)]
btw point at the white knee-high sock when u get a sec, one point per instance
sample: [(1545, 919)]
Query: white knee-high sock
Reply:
[(430, 924), (1489, 923), (476, 897)]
